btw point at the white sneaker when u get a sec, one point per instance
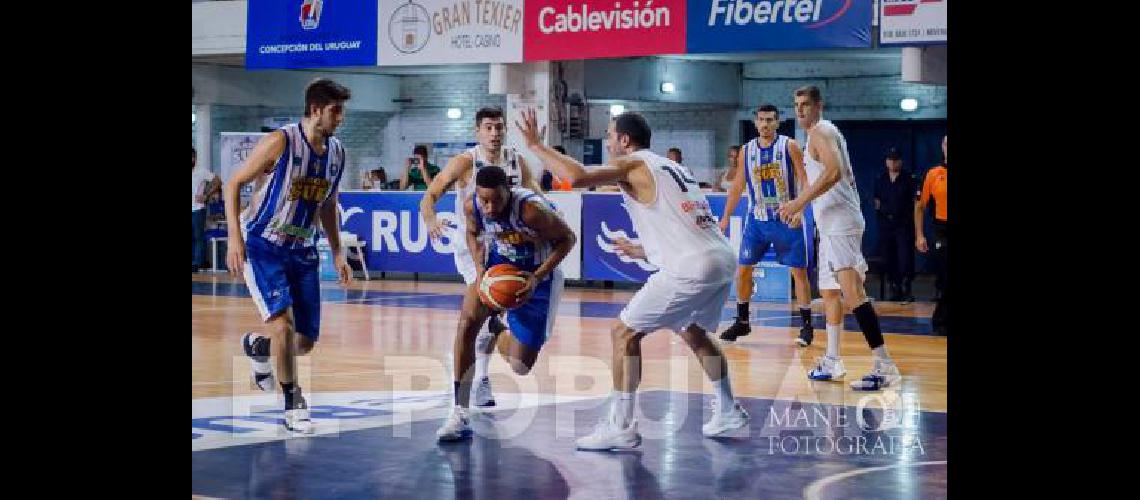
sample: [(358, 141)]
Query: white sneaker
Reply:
[(724, 422), (456, 427), (297, 420), (827, 368), (481, 393), (608, 436), (884, 373)]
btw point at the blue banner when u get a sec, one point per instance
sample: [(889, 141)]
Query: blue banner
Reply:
[(310, 33), (744, 26), (605, 219), (396, 237)]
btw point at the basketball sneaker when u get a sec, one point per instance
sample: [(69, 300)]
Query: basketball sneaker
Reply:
[(608, 435), (456, 427), (738, 329), (884, 373), (252, 344), (827, 368), (724, 422), (806, 336), (297, 418), (482, 396), (495, 325)]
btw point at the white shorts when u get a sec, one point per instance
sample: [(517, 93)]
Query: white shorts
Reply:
[(837, 253), (464, 262), (672, 303)]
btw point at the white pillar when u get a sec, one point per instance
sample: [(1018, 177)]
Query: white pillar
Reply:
[(204, 132)]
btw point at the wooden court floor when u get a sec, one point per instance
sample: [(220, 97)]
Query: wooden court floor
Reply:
[(382, 334)]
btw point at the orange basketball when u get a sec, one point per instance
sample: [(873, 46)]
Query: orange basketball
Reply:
[(499, 285)]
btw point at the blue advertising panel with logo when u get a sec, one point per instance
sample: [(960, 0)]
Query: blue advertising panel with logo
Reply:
[(604, 219), (744, 25), (310, 33), (396, 238)]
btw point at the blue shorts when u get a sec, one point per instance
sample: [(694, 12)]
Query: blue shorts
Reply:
[(532, 322), (792, 248), (279, 278)]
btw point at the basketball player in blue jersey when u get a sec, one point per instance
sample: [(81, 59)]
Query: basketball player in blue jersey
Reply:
[(834, 199), (490, 131), (516, 226), (772, 167), (298, 168)]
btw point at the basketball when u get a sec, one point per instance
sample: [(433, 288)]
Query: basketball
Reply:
[(499, 286)]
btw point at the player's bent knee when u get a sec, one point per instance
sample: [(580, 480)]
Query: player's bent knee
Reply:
[(304, 345), (520, 367)]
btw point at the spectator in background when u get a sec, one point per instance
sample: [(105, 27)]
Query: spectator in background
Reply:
[(894, 203), (675, 155), (724, 179), (204, 184), (418, 173), (935, 186), (376, 180)]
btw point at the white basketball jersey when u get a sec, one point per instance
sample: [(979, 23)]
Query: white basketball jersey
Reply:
[(508, 161), (678, 230), (837, 210)]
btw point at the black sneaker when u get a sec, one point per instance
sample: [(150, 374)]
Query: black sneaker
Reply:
[(806, 336), (495, 325), (738, 329)]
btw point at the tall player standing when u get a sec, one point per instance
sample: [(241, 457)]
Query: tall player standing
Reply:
[(273, 242), (490, 131), (835, 201)]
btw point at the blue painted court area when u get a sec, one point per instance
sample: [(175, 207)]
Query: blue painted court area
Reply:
[(791, 450), (890, 324)]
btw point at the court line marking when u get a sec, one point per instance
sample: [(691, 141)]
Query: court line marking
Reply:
[(814, 491), (334, 374)]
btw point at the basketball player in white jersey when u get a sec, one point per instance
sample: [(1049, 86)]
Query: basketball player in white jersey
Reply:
[(835, 201), (490, 131), (273, 242), (679, 235), (771, 166), (516, 226)]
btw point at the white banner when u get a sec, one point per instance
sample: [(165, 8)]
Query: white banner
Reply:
[(569, 205), (235, 147), (449, 31), (912, 21)]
